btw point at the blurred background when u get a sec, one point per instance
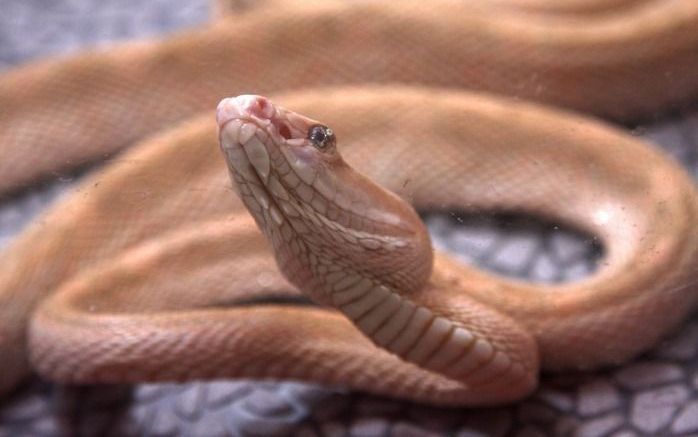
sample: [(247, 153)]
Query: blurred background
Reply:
[(655, 395)]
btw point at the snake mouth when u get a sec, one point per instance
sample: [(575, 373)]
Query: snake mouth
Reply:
[(245, 130), (258, 140), (246, 125)]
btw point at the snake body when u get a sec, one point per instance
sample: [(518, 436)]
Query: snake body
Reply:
[(583, 63), (154, 271)]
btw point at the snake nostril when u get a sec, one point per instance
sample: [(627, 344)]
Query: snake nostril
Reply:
[(284, 131)]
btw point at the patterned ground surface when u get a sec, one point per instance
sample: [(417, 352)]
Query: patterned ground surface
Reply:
[(655, 395)]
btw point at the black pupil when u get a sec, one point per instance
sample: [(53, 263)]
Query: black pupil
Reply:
[(318, 135)]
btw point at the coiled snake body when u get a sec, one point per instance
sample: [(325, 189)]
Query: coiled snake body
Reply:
[(154, 271)]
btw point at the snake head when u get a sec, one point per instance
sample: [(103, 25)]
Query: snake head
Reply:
[(255, 123), (312, 206), (281, 163)]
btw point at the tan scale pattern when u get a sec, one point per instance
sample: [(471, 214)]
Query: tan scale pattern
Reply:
[(173, 194), (319, 345)]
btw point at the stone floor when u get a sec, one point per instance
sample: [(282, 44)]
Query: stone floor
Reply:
[(655, 395)]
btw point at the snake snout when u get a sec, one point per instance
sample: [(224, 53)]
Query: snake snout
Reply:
[(257, 109), (245, 106)]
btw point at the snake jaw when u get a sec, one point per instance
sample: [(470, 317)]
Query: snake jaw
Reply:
[(258, 141)]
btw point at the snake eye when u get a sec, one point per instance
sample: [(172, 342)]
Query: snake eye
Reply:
[(321, 136)]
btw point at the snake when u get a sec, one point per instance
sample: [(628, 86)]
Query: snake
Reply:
[(152, 270)]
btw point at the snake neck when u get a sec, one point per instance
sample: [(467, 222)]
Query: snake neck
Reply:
[(330, 226), (328, 251)]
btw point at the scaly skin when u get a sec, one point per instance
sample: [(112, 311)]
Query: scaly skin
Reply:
[(186, 299), (625, 63), (108, 256), (351, 244)]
